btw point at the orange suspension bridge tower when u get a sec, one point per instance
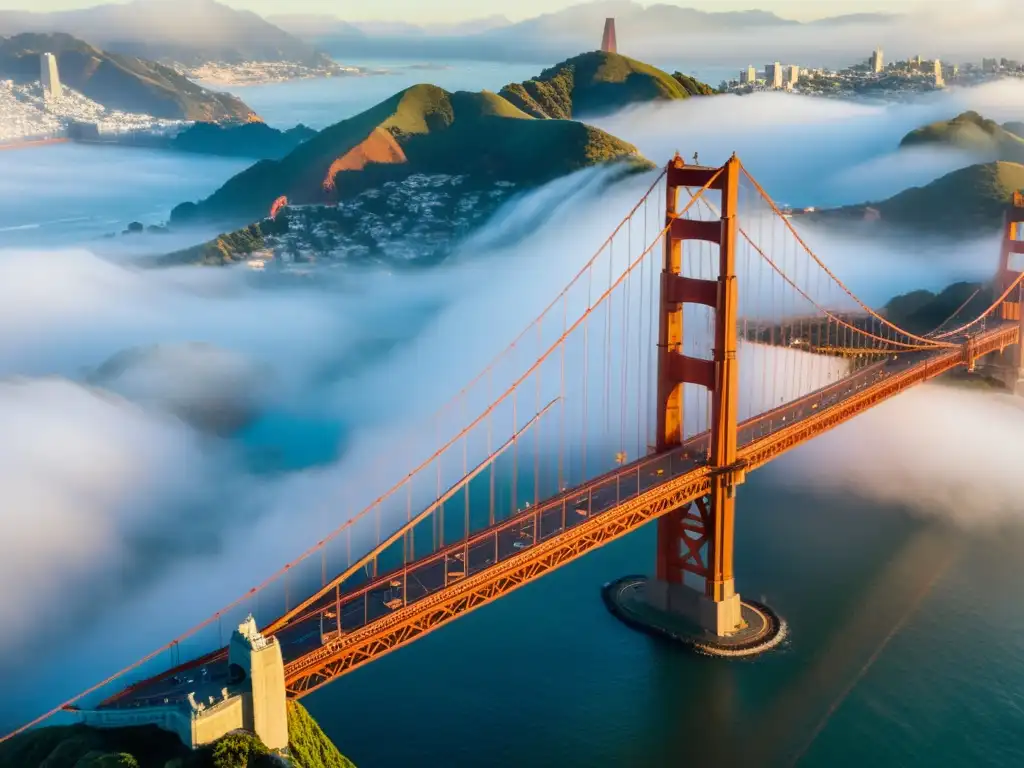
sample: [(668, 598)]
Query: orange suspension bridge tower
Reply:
[(696, 538)]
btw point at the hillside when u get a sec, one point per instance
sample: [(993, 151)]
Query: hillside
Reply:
[(923, 311), (972, 132), (478, 137), (79, 746), (117, 82), (598, 83), (190, 32), (256, 140), (970, 201)]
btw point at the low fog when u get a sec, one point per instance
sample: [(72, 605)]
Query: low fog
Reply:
[(940, 452), (129, 516)]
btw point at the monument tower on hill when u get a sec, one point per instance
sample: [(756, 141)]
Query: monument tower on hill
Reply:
[(608, 40)]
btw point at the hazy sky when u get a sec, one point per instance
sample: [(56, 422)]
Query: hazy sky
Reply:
[(456, 10)]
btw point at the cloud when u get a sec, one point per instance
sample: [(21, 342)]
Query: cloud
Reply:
[(941, 452), (90, 483)]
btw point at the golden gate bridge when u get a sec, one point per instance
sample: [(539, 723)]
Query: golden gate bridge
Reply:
[(702, 340)]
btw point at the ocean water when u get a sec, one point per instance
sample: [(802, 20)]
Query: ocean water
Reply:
[(62, 194), (905, 631)]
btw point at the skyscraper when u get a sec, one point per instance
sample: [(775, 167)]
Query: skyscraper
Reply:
[(940, 81), (608, 40), (792, 75), (749, 75), (773, 75), (49, 76), (877, 61)]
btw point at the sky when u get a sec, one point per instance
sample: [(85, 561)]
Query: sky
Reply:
[(444, 11)]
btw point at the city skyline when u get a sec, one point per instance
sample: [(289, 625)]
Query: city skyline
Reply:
[(450, 11)]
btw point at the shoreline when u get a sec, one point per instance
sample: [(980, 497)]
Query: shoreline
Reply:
[(248, 82), (29, 143)]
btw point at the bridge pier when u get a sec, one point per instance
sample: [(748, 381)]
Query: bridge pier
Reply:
[(697, 538)]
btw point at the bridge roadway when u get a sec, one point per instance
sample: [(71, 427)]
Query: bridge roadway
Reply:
[(390, 610)]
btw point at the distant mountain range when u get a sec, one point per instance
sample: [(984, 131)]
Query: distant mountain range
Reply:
[(315, 26), (630, 18), (190, 32), (193, 32), (118, 82), (553, 35)]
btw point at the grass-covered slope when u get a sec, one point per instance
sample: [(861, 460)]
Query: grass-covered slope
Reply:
[(117, 82), (423, 129), (308, 744), (970, 131), (598, 83), (970, 201), (78, 746), (228, 247)]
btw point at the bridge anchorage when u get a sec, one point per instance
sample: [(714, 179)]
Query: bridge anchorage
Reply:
[(696, 538)]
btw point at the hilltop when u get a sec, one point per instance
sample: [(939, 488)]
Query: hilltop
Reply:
[(79, 746), (598, 83), (481, 138), (189, 32), (117, 82), (968, 202), (972, 132)]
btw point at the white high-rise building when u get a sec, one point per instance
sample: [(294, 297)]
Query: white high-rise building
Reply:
[(877, 61), (792, 75), (49, 76), (749, 75), (940, 81), (773, 75)]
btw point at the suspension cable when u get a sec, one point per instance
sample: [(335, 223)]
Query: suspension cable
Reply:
[(829, 272), (931, 344)]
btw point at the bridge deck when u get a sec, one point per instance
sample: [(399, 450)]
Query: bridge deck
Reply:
[(395, 608)]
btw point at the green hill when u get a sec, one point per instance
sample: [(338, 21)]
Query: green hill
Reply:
[(421, 130), (970, 201), (923, 311), (78, 746), (972, 132), (256, 140), (118, 82), (598, 83)]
